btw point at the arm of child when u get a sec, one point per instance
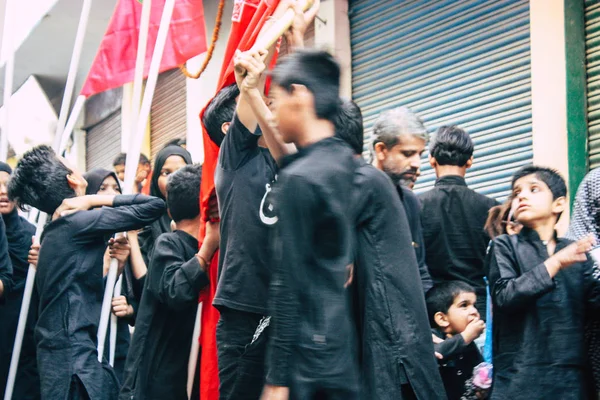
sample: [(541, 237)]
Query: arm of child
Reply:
[(138, 265)]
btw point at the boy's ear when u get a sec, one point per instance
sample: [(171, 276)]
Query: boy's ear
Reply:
[(380, 150), (469, 163), (559, 205), (74, 182), (432, 161), (441, 320), (225, 127)]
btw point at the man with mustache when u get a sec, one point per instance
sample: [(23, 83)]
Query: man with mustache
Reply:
[(399, 139)]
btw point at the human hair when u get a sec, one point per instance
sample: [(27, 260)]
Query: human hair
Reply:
[(349, 125), (318, 71), (441, 297), (121, 158), (176, 142), (40, 181), (220, 110), (451, 145), (549, 176), (183, 192), (392, 124)]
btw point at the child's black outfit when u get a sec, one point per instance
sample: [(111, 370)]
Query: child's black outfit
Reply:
[(71, 287), (457, 365), (157, 363), (538, 342)]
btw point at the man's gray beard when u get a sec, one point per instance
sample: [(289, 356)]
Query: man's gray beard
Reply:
[(399, 179)]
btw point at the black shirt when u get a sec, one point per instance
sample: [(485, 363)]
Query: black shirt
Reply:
[(538, 342), (453, 217), (312, 336), (157, 363), (395, 338), (70, 287), (6, 269), (412, 207), (243, 177)]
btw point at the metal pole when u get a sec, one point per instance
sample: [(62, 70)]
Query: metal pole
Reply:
[(9, 72)]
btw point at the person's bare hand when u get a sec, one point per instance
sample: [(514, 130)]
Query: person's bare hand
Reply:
[(439, 356), (436, 340), (302, 20), (34, 252), (119, 249), (248, 67), (575, 252), (213, 234), (121, 308), (350, 278), (213, 207), (271, 392), (72, 205), (473, 330)]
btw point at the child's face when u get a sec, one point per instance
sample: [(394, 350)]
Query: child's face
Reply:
[(461, 313), (285, 112), (534, 200)]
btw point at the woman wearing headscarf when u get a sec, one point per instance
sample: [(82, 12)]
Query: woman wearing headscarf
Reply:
[(585, 221), (167, 161), (101, 181), (19, 234)]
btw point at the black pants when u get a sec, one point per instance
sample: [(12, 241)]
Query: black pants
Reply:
[(241, 346)]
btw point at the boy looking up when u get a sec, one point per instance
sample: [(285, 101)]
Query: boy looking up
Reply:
[(541, 286), (69, 270), (312, 349), (157, 362), (454, 318)]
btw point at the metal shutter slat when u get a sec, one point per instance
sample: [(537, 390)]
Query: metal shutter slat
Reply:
[(592, 44), (103, 142)]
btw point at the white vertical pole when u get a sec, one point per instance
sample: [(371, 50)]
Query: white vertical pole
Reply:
[(113, 326), (9, 72), (133, 156), (77, 108), (193, 360)]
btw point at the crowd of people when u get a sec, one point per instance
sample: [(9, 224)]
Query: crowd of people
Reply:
[(335, 280)]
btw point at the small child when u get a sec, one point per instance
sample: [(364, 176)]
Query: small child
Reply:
[(454, 318), (156, 366), (541, 286)]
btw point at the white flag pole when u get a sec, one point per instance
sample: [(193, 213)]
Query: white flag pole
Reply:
[(113, 326), (58, 139), (133, 156), (9, 72), (193, 360)]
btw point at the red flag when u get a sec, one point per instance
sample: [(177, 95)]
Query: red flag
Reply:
[(114, 64), (248, 18)]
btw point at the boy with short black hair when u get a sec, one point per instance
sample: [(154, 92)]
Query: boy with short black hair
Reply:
[(157, 363), (69, 271), (454, 318), (541, 286)]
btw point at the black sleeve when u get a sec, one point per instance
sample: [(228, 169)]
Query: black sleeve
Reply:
[(238, 147), (509, 289), (591, 284), (451, 347), (6, 270), (172, 279), (296, 202), (412, 207), (128, 212)]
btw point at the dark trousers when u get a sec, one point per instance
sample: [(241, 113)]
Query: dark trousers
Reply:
[(241, 346)]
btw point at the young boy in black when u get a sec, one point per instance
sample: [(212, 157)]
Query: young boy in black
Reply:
[(69, 270), (157, 363), (312, 351), (454, 318), (541, 287)]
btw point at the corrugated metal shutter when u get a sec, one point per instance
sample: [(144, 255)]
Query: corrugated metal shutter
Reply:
[(592, 44), (168, 114), (103, 142), (464, 63)]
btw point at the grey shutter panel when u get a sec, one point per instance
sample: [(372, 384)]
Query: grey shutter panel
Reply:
[(103, 142), (168, 113), (592, 44), (465, 63)]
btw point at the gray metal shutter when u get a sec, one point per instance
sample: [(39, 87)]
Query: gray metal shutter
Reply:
[(168, 114), (103, 142), (464, 63), (592, 44)]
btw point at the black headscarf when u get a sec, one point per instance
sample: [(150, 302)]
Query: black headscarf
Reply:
[(95, 178), (4, 167), (159, 162)]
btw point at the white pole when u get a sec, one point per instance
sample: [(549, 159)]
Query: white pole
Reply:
[(77, 108), (113, 326), (138, 77), (9, 72), (58, 139), (70, 85), (193, 360), (133, 155)]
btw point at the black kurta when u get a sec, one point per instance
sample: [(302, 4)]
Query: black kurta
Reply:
[(538, 343), (157, 363), (394, 330), (6, 270), (27, 386), (71, 287)]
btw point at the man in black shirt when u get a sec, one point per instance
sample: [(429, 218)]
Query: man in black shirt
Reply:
[(399, 141), (69, 271), (453, 215)]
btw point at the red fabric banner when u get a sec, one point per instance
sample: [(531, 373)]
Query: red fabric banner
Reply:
[(114, 64), (248, 18)]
